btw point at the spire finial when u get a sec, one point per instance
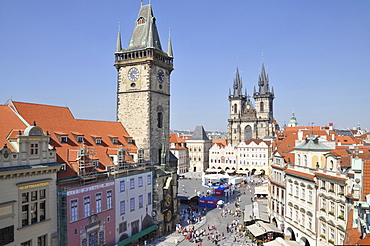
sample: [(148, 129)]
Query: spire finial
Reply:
[(169, 48), (141, 2)]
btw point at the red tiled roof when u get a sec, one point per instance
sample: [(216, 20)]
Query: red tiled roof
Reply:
[(330, 176), (60, 120), (366, 173), (8, 122), (299, 173), (353, 234), (257, 141)]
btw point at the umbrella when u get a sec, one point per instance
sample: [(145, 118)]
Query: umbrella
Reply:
[(220, 202)]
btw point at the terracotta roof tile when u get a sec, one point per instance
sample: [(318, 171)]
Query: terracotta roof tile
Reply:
[(300, 174), (8, 122), (60, 120)]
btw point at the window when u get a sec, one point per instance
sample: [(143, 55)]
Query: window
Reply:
[(149, 198), (323, 229), (141, 201), (331, 187), (132, 204), (303, 220), (123, 227), (64, 139), (109, 199), (323, 204), (299, 159), (303, 195), (33, 207), (341, 210), (98, 203), (132, 183), (291, 213), (140, 181), (34, 149), (98, 141), (309, 223), (296, 216), (341, 239), (297, 191), (28, 243), (115, 140), (310, 196), (149, 178), (332, 207), (122, 207), (122, 186), (160, 119), (323, 184), (331, 234), (80, 139), (41, 241), (87, 206), (74, 210), (291, 189)]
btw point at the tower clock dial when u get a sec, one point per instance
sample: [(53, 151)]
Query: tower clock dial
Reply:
[(160, 76), (133, 74)]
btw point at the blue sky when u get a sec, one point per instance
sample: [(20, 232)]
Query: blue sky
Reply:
[(317, 55)]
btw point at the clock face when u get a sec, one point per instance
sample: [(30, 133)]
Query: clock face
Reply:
[(168, 215), (133, 74), (160, 76), (168, 200)]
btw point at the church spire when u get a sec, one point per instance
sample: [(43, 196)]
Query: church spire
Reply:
[(119, 43), (263, 81), (238, 85), (145, 34)]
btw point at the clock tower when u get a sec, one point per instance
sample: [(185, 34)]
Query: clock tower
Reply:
[(143, 90)]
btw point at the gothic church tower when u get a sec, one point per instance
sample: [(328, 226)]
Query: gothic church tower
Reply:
[(263, 99), (246, 120), (143, 91)]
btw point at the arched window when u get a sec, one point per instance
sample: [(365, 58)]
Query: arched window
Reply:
[(299, 159), (141, 21), (248, 132), (160, 119), (235, 108), (305, 160), (261, 107)]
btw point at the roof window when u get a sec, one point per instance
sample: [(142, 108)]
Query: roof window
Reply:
[(141, 21), (63, 139), (98, 141)]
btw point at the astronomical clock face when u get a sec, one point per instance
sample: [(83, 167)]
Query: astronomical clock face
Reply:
[(133, 74), (168, 200), (168, 215)]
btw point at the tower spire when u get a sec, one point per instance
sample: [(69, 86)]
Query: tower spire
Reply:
[(119, 43), (263, 81), (145, 34), (169, 48), (238, 85)]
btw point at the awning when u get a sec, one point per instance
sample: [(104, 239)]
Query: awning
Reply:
[(137, 236), (211, 170), (255, 230)]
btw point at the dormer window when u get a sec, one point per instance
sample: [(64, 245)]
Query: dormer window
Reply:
[(98, 141), (80, 139), (141, 21), (129, 140), (34, 149), (64, 139), (115, 140)]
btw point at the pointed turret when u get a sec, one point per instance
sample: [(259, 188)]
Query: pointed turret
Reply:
[(263, 82), (238, 85), (145, 34), (119, 43), (169, 48)]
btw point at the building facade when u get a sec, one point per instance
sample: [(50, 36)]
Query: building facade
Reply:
[(28, 174), (198, 146)]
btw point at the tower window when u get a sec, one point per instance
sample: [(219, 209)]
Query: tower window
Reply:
[(261, 107), (235, 108), (160, 119)]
